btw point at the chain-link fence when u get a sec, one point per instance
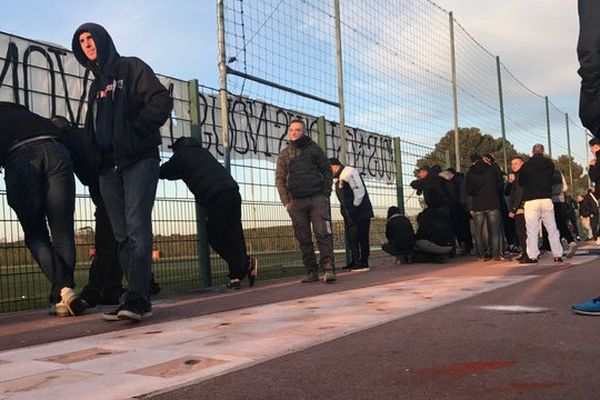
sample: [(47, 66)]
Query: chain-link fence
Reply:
[(403, 77)]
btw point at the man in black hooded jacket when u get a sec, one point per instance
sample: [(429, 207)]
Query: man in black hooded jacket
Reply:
[(127, 105), (218, 193)]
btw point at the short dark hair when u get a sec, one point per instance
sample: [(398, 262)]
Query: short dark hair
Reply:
[(297, 121), (538, 148), (517, 158), (334, 161), (594, 141)]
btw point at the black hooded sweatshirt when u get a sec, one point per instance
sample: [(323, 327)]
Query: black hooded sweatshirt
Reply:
[(588, 52), (483, 184), (17, 123), (127, 104), (201, 172), (536, 177)]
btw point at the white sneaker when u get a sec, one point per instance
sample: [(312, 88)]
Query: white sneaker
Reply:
[(70, 303), (572, 249)]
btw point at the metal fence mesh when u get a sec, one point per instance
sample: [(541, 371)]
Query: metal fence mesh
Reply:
[(281, 55)]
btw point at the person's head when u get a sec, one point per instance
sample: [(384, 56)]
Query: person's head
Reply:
[(591, 190), (393, 210), (579, 198), (296, 129), (489, 158), (61, 122), (516, 163), (451, 170), (93, 47), (436, 169), (594, 145), (88, 46), (336, 166), (474, 157), (538, 148), (423, 172)]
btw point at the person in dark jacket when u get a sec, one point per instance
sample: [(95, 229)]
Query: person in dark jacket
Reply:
[(303, 178), (400, 236), (536, 178), (218, 193), (434, 190), (483, 183), (40, 188), (104, 285), (589, 209), (127, 105), (459, 215), (516, 205), (356, 210)]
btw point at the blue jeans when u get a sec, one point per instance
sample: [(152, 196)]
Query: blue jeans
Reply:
[(492, 219), (41, 188), (129, 197)]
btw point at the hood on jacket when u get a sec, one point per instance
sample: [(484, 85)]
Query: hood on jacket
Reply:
[(185, 142), (393, 210), (447, 175), (105, 48)]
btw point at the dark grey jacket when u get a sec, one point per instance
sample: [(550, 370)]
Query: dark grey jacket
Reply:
[(302, 171)]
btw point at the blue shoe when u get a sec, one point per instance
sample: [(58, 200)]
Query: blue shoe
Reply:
[(591, 307)]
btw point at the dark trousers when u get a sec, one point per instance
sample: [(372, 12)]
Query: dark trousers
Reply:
[(521, 232), (225, 232), (459, 220), (560, 216), (41, 189), (491, 218), (106, 274), (358, 239), (129, 198), (313, 211)]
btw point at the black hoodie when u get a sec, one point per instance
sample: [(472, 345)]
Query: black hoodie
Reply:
[(483, 184), (17, 123), (536, 178), (201, 172), (127, 104), (588, 51)]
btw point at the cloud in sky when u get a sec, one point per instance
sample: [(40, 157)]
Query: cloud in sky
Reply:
[(536, 40)]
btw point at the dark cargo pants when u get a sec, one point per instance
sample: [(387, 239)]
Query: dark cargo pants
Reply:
[(313, 210)]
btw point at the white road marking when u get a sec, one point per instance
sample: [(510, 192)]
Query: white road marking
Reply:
[(128, 363), (517, 309)]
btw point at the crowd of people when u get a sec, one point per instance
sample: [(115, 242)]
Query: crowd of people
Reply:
[(496, 215), (485, 212)]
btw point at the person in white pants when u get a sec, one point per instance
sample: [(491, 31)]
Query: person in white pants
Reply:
[(537, 177), (536, 211)]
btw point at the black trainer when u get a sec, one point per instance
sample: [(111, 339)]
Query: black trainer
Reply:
[(234, 284), (527, 260), (127, 312), (312, 276)]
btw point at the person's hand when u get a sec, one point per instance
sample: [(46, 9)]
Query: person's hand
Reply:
[(593, 162), (511, 178), (287, 207), (511, 214)]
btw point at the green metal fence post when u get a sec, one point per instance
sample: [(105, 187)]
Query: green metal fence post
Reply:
[(548, 127), (322, 133), (202, 241), (502, 120), (570, 157), (399, 174)]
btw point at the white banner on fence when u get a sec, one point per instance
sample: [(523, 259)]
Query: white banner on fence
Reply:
[(48, 79)]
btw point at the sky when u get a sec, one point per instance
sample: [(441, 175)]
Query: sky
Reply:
[(536, 39)]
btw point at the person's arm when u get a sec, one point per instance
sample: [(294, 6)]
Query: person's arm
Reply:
[(588, 52), (172, 169), (357, 185), (281, 174), (157, 102), (325, 169), (516, 198)]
